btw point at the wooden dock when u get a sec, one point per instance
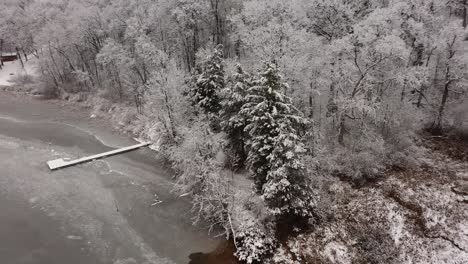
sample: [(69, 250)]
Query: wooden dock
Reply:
[(6, 57), (61, 163)]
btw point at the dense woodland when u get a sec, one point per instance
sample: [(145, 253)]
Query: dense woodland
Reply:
[(258, 104)]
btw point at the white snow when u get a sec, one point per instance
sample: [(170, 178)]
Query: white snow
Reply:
[(397, 220), (72, 237), (337, 253), (13, 69)]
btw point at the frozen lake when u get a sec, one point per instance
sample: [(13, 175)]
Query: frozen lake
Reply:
[(98, 212)]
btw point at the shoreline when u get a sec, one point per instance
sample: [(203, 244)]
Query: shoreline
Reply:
[(77, 115)]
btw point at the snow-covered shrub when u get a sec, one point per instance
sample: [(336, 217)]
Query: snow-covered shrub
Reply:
[(284, 256), (373, 243), (200, 174), (255, 239), (211, 201), (22, 78), (364, 160), (34, 85), (99, 105), (31, 85), (460, 120), (385, 139), (398, 126), (123, 117)]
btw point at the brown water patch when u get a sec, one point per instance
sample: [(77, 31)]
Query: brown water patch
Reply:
[(224, 253)]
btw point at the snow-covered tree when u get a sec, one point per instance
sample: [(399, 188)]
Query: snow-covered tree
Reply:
[(275, 128), (287, 189), (209, 83), (233, 124), (331, 19), (454, 75)]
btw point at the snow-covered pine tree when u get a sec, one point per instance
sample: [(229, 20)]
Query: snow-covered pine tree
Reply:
[(287, 190), (275, 128), (233, 122), (262, 127), (209, 81)]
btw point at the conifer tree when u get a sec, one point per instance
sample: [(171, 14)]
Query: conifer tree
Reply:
[(234, 123), (260, 110), (275, 128), (209, 82), (287, 189)]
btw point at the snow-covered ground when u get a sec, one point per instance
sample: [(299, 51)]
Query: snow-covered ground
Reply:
[(13, 69), (413, 216)]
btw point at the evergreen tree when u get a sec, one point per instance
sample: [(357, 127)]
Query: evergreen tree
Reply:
[(287, 189), (234, 122), (275, 149), (209, 82), (262, 128)]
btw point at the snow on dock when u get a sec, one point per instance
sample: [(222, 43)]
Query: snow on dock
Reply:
[(61, 163)]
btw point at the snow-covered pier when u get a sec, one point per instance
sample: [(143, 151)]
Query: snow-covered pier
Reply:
[(61, 163)]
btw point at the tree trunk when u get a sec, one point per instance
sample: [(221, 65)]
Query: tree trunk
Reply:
[(96, 70), (171, 131), (464, 14), (311, 106), (119, 82), (448, 80), (342, 130), (442, 107), (445, 95), (19, 57), (86, 64), (217, 19), (421, 96), (195, 43), (62, 79), (424, 87), (331, 106), (403, 91), (1, 53)]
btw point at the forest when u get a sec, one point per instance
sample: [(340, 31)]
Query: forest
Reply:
[(304, 131)]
